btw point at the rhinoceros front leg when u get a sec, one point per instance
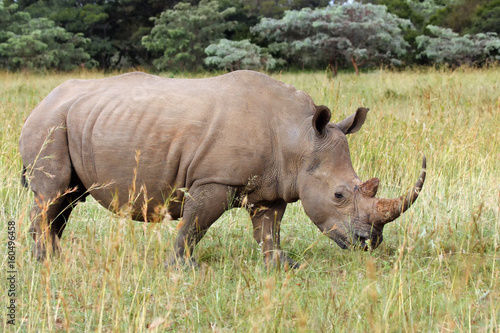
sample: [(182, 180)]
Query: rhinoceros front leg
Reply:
[(266, 222), (204, 205)]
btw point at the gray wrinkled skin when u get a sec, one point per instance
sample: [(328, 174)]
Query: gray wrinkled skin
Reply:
[(162, 148)]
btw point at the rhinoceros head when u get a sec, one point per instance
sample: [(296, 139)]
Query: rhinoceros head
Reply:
[(337, 201)]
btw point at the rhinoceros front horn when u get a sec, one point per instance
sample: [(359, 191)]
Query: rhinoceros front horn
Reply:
[(387, 210)]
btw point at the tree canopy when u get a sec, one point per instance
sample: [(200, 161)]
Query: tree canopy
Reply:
[(27, 43), (190, 35), (180, 35), (355, 32), (446, 46)]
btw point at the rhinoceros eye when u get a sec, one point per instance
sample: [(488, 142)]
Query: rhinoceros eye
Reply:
[(338, 195)]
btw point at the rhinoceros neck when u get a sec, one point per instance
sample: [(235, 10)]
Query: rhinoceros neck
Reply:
[(290, 145)]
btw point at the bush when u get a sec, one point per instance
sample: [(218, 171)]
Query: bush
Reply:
[(358, 33), (446, 46), (234, 55)]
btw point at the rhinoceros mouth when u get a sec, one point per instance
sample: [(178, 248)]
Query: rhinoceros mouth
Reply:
[(342, 242), (367, 243), (359, 241)]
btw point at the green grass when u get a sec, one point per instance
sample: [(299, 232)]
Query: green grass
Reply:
[(437, 270)]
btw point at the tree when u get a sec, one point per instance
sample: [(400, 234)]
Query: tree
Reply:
[(87, 17), (402, 9), (486, 18), (180, 35), (91, 20), (115, 27), (427, 8), (356, 32), (243, 19), (446, 46), (276, 8), (468, 16), (234, 55), (457, 15), (27, 43), (130, 21)]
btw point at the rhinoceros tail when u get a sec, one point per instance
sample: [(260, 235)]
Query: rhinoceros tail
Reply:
[(24, 181)]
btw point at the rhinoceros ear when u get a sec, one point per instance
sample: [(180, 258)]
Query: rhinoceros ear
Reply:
[(321, 119), (354, 122)]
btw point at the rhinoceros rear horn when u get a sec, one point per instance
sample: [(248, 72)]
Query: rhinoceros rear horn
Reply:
[(370, 187), (387, 210)]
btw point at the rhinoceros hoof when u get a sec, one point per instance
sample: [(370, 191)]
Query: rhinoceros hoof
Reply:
[(41, 252), (283, 261), (293, 264), (289, 263)]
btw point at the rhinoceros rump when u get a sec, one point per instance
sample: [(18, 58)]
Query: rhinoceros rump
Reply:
[(193, 148)]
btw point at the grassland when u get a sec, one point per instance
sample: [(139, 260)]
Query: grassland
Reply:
[(438, 269)]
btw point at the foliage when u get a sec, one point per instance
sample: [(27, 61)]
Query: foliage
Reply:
[(180, 35), (457, 15), (469, 16), (130, 21), (486, 18), (235, 55), (241, 18), (418, 12), (88, 18), (446, 46), (276, 8), (27, 43), (115, 27), (118, 33), (356, 32), (427, 8), (403, 9)]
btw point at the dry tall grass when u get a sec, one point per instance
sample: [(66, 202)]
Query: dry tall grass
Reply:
[(437, 270)]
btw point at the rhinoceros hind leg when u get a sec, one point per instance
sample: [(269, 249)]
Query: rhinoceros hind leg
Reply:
[(77, 193), (43, 214), (266, 222), (203, 206), (49, 217)]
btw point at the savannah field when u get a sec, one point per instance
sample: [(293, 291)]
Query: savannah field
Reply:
[(438, 269)]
